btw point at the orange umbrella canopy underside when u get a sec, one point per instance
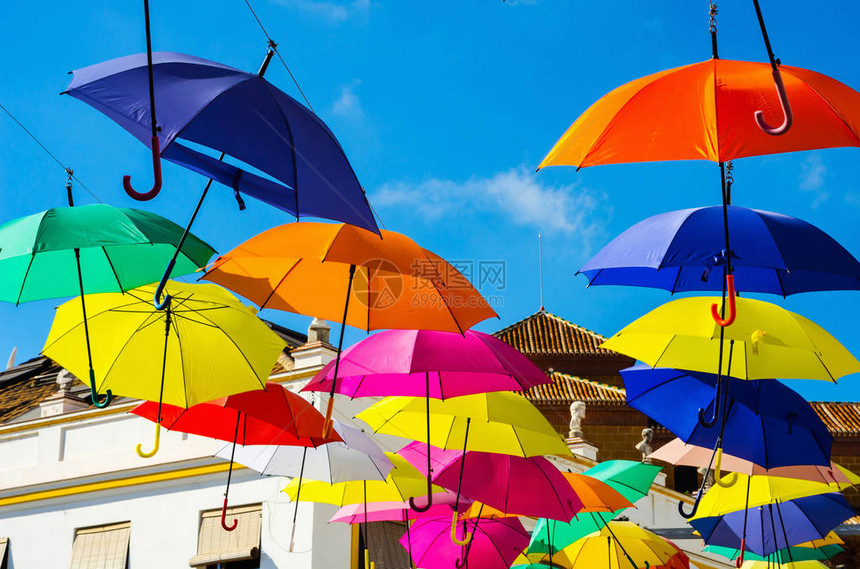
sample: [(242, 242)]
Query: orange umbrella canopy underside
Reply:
[(705, 111), (304, 268)]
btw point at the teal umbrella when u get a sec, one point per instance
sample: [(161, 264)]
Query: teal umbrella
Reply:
[(631, 479), (551, 536), (783, 555), (90, 249)]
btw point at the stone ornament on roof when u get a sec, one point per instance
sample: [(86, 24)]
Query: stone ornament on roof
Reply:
[(577, 414)]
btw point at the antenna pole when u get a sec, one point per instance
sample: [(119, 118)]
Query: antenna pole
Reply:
[(540, 268)]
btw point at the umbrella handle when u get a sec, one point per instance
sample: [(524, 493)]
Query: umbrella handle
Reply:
[(156, 172), (94, 396), (224, 518), (368, 564), (692, 513), (786, 109), (715, 309), (728, 481), (740, 560), (293, 536), (454, 538), (154, 450), (429, 497), (327, 424)]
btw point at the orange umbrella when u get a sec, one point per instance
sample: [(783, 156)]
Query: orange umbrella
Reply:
[(596, 495), (705, 111), (343, 273)]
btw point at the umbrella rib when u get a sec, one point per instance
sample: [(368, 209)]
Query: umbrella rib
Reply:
[(832, 108), (24, 280), (280, 282), (112, 269), (441, 297), (232, 341), (145, 324)]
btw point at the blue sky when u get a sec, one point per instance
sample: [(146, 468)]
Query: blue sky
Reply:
[(444, 110)]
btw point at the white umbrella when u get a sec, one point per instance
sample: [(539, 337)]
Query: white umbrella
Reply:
[(356, 458)]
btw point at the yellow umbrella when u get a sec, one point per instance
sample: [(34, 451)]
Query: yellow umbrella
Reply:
[(752, 491), (810, 564), (622, 544), (500, 422), (203, 345), (765, 341), (829, 539)]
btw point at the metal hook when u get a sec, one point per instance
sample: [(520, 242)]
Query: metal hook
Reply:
[(154, 450), (224, 518), (156, 172), (454, 538), (730, 294), (786, 109)]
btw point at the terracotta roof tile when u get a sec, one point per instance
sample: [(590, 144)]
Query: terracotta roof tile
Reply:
[(23, 387), (568, 388), (841, 418), (545, 333)]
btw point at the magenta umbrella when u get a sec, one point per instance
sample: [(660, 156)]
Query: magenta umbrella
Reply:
[(443, 505), (430, 364), (415, 454), (512, 484), (494, 544)]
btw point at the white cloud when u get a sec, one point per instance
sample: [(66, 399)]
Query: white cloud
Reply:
[(331, 11), (516, 195), (348, 104), (811, 179)]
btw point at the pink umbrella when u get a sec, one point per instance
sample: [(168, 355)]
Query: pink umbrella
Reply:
[(429, 363), (443, 505), (677, 451), (415, 454), (513, 484), (494, 544)]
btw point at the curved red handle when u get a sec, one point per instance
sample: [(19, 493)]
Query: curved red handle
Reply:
[(786, 109), (730, 293), (740, 560), (156, 172), (224, 518)]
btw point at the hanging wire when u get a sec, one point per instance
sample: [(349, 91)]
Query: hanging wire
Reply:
[(278, 53), (69, 172)]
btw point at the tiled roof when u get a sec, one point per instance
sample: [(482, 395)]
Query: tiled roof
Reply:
[(841, 418), (567, 388), (22, 387), (547, 334)]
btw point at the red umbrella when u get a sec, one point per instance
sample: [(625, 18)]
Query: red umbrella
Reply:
[(270, 416)]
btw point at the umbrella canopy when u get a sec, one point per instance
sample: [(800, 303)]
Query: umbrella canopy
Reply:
[(551, 536), (512, 484), (765, 422), (624, 545), (119, 249), (765, 341), (270, 416), (768, 564), (499, 422), (205, 103), (631, 479), (402, 482), (357, 457), (751, 491), (679, 250), (596, 495), (787, 555), (494, 545), (206, 345), (416, 453), (772, 527), (401, 362), (443, 505), (394, 283), (678, 452), (672, 115)]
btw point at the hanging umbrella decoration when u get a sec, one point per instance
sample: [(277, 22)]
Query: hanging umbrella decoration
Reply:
[(355, 457), (678, 452), (498, 422), (357, 278), (618, 542), (77, 251), (210, 345), (272, 415), (431, 364)]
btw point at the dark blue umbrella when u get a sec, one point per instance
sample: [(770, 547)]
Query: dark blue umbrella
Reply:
[(680, 250), (773, 527), (206, 104), (766, 422)]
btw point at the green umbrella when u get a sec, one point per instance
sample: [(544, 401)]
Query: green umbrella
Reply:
[(781, 556), (631, 479), (551, 536), (90, 249)]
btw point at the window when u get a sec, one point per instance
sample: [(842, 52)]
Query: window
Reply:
[(386, 552), (101, 547), (237, 549)]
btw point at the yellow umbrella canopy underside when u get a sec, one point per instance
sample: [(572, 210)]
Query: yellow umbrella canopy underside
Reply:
[(216, 346), (765, 341), (720, 500)]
